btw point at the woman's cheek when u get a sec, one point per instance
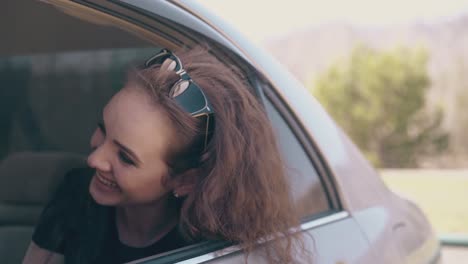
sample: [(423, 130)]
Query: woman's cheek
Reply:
[(120, 174)]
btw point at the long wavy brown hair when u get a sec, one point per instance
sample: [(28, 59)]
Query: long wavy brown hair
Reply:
[(242, 193)]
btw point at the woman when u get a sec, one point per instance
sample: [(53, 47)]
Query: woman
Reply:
[(184, 153)]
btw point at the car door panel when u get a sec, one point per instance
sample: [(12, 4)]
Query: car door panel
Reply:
[(331, 240)]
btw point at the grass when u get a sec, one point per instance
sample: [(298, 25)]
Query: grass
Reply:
[(441, 194)]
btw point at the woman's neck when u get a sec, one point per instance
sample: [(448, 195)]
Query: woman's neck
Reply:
[(142, 225)]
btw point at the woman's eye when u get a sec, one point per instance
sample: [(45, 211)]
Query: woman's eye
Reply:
[(125, 159)]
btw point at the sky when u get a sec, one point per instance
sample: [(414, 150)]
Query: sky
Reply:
[(260, 19)]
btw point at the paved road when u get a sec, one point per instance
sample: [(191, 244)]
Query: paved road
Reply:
[(454, 255)]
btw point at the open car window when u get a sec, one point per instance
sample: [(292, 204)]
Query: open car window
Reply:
[(51, 98)]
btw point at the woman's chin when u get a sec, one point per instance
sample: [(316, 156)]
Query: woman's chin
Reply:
[(102, 194)]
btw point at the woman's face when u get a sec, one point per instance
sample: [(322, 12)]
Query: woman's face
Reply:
[(130, 144)]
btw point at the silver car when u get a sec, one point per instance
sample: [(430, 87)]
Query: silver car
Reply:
[(55, 54)]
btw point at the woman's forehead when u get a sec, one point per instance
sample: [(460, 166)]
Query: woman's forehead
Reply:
[(132, 118)]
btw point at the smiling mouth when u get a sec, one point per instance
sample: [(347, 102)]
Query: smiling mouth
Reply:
[(106, 181)]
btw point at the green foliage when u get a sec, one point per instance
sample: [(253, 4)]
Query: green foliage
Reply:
[(379, 100)]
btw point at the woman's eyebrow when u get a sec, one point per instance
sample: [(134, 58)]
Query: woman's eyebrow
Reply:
[(128, 151)]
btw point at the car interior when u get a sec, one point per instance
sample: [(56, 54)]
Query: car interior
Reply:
[(26, 179)]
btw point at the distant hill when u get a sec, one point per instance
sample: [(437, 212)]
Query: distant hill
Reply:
[(309, 52)]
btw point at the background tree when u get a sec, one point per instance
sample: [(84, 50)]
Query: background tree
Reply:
[(378, 98)]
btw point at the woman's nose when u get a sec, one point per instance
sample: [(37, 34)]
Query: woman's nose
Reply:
[(99, 159)]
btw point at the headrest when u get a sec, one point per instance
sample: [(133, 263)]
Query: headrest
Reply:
[(31, 177)]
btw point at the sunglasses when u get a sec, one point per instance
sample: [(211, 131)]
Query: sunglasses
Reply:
[(185, 91)]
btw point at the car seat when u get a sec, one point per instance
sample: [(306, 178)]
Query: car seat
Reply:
[(27, 181)]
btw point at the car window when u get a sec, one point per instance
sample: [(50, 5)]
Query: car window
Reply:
[(307, 189)]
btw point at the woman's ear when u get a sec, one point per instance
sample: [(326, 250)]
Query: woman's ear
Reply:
[(185, 182)]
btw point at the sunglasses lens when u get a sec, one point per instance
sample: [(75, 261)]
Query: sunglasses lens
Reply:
[(179, 88), (169, 65), (189, 96)]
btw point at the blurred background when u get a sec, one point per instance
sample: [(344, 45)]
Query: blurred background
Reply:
[(394, 75)]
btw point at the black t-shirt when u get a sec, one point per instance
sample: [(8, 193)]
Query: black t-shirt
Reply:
[(74, 225), (115, 251)]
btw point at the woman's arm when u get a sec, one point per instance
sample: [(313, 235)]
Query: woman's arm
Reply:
[(38, 255)]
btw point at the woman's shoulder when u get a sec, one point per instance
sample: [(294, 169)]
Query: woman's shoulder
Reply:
[(77, 177), (61, 217), (72, 192)]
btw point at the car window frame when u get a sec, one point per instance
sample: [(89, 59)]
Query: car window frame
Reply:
[(185, 37), (162, 26)]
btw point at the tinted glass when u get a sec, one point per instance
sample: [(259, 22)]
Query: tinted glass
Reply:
[(307, 189)]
